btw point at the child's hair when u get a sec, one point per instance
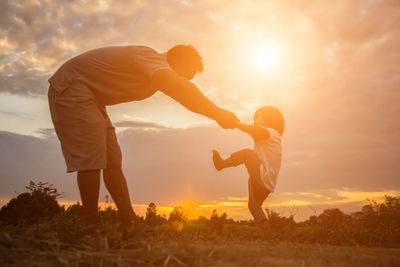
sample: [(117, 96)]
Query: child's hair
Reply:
[(272, 118)]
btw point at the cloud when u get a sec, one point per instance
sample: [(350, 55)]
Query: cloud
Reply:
[(139, 124), (37, 37), (15, 114), (165, 166), (171, 165), (341, 54), (46, 132)]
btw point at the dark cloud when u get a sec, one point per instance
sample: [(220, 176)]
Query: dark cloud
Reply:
[(25, 158), (165, 166), (173, 165), (33, 83)]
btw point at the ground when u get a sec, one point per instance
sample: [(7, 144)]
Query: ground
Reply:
[(154, 250)]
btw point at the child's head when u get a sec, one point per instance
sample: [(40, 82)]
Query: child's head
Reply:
[(270, 117)]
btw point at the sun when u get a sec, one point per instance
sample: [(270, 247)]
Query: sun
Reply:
[(263, 57), (266, 57)]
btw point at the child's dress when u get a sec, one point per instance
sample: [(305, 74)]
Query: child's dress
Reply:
[(269, 151)]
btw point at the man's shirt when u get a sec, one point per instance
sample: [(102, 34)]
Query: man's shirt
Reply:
[(115, 74)]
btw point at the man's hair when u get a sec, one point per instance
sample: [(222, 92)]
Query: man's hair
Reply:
[(272, 118), (185, 55)]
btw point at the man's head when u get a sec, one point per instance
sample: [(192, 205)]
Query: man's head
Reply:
[(185, 60)]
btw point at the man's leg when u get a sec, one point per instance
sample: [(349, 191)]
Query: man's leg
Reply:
[(89, 187), (115, 182), (80, 126)]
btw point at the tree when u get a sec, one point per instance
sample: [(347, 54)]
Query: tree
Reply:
[(152, 218), (29, 207), (280, 223), (217, 222), (177, 214), (331, 218)]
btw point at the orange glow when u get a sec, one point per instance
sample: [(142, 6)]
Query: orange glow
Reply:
[(236, 207), (266, 56)]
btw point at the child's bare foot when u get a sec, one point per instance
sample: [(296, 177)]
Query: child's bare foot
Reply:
[(218, 161)]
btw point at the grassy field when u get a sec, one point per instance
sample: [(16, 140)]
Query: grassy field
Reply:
[(161, 250), (36, 231)]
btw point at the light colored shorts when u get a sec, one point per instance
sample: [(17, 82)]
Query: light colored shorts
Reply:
[(87, 137)]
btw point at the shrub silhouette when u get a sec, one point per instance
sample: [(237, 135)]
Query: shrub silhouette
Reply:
[(217, 222), (376, 224), (379, 223), (40, 202), (280, 224), (178, 215), (152, 218), (75, 209)]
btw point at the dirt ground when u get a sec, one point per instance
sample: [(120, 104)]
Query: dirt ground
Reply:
[(175, 251)]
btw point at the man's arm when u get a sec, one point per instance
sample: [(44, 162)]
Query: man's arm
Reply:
[(257, 133), (189, 96)]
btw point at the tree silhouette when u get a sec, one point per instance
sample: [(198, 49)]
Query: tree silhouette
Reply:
[(152, 218), (178, 214), (29, 207), (217, 222)]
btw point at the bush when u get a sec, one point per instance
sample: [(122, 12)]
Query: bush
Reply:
[(177, 215), (217, 222), (377, 224), (152, 218), (29, 207)]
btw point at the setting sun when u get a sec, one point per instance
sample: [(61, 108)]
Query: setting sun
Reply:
[(266, 56)]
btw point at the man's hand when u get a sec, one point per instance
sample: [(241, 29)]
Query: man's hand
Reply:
[(227, 119)]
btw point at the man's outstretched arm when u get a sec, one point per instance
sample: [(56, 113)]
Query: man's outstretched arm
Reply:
[(189, 96)]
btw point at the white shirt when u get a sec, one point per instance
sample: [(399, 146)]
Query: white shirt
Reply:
[(269, 151)]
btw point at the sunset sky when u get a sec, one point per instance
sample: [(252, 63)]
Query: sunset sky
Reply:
[(331, 67)]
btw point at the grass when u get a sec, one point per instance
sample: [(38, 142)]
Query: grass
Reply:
[(166, 248), (36, 231)]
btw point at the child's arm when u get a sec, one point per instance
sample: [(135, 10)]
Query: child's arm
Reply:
[(256, 132)]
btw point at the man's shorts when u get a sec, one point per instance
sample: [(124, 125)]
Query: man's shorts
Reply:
[(87, 137)]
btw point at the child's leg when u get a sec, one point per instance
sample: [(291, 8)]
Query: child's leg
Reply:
[(257, 195), (257, 191), (244, 156)]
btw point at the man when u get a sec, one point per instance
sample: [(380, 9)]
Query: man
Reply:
[(85, 84)]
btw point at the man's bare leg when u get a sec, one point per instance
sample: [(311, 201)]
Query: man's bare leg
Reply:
[(89, 187), (115, 182)]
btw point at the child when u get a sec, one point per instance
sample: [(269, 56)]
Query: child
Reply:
[(263, 162)]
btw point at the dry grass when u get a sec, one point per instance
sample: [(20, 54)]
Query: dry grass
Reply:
[(159, 250)]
